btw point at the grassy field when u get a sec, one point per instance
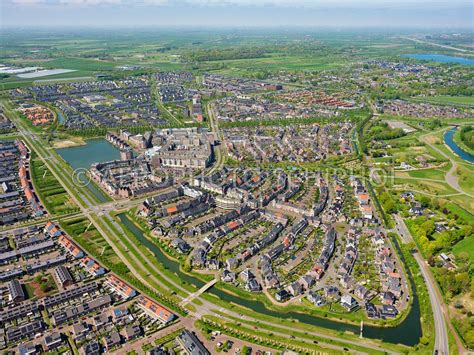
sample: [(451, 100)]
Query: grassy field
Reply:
[(281, 62), (79, 64), (430, 182), (92, 52), (448, 100), (467, 246), (465, 172), (90, 238), (51, 193), (423, 174), (433, 189), (271, 336), (467, 216), (428, 187), (7, 85)]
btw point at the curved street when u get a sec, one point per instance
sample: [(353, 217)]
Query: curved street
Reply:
[(102, 212), (437, 304)]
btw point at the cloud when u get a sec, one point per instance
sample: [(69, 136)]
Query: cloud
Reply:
[(234, 13), (66, 2), (90, 2), (155, 2), (27, 2)]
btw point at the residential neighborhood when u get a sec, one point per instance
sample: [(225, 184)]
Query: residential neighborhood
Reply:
[(249, 178)]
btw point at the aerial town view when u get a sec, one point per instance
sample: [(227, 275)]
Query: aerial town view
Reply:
[(244, 177)]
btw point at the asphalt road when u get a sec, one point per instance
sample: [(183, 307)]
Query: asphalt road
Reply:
[(220, 151), (441, 337), (88, 206), (437, 44)]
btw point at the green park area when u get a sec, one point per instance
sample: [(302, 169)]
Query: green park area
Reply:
[(143, 267), (446, 224), (41, 285), (353, 81), (51, 193)]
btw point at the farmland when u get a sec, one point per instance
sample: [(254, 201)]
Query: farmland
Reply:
[(247, 186), (448, 100)]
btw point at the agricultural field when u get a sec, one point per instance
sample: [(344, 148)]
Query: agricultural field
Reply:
[(373, 106), (256, 55), (448, 100), (79, 64)]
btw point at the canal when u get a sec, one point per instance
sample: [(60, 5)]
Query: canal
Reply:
[(83, 156), (407, 332), (449, 140), (61, 118)]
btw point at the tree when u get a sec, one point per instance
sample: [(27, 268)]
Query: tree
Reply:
[(472, 287), (425, 201), (462, 281), (428, 227), (45, 287), (463, 257), (469, 338), (389, 206)]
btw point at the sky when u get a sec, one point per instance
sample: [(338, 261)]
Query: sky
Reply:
[(238, 13)]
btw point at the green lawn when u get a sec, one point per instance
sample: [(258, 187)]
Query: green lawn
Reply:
[(466, 245), (427, 174), (466, 178), (461, 212), (7, 85)]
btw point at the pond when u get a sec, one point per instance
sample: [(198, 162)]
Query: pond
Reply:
[(408, 332), (441, 58), (83, 156), (449, 140), (94, 151), (61, 118)]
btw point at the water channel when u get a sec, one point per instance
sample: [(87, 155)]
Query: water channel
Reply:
[(61, 118), (407, 332), (449, 140)]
